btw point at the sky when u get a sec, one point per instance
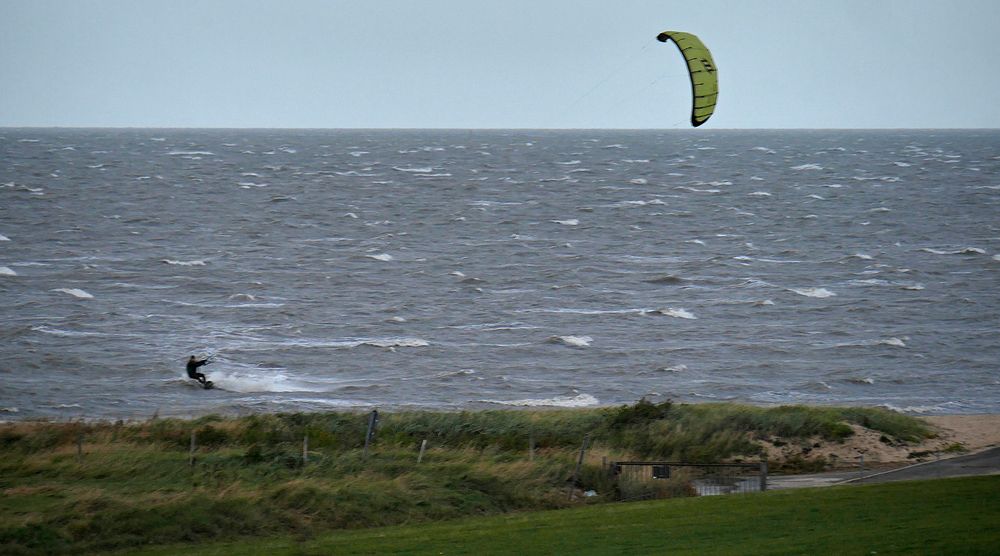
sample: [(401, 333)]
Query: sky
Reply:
[(496, 63)]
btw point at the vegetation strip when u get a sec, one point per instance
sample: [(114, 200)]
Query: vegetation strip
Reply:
[(68, 487)]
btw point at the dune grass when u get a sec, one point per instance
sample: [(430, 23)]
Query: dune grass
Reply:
[(129, 484)]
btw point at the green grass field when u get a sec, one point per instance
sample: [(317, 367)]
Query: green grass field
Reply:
[(945, 516)]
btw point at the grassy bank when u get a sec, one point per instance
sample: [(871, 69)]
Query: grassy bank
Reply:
[(72, 486), (946, 516)]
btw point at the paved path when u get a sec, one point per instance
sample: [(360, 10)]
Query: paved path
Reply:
[(981, 463)]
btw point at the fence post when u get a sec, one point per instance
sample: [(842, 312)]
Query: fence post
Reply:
[(305, 449), (579, 463), (423, 446), (370, 435), (531, 447), (763, 472), (79, 448), (194, 446)]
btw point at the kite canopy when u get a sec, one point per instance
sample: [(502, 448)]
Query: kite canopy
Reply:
[(704, 76)]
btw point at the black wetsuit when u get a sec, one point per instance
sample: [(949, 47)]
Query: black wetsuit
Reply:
[(192, 368)]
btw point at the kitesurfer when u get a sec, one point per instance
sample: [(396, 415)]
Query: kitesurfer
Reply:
[(192, 368)]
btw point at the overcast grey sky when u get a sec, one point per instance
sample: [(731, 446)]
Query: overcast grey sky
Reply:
[(503, 63)]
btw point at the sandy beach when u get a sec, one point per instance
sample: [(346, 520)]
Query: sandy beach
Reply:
[(956, 434)]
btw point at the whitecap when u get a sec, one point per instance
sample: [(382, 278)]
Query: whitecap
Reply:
[(813, 292), (676, 313), (190, 153), (572, 341), (996, 257), (896, 342), (63, 333), (7, 271), (638, 181), (759, 194), (4, 238), (395, 342), (568, 222), (817, 197), (75, 292), (381, 257), (416, 170), (673, 369), (580, 400), (807, 167), (696, 190), (185, 263), (962, 251), (569, 163)]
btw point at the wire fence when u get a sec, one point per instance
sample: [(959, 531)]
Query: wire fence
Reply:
[(643, 480)]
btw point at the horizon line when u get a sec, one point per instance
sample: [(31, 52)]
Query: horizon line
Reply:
[(515, 128)]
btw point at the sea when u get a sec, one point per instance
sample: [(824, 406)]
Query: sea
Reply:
[(346, 270)]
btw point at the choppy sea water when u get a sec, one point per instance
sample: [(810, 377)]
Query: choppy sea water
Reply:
[(489, 269)]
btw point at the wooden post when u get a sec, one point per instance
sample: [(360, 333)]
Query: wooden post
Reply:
[(423, 446), (194, 447), (763, 472), (79, 448), (579, 463), (370, 435), (305, 449)]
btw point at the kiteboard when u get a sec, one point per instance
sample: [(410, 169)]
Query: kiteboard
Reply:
[(209, 385)]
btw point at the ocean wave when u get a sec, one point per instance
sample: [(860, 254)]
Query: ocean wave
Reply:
[(569, 222), (808, 167), (666, 279), (75, 292), (571, 341), (960, 251), (185, 263), (676, 313), (579, 400), (385, 257), (190, 153), (7, 271), (415, 170), (64, 333), (891, 342), (813, 292), (4, 238), (451, 374), (673, 369), (696, 190), (395, 342)]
